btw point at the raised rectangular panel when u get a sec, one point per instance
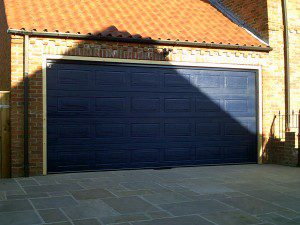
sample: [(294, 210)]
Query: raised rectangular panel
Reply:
[(177, 105), (106, 130), (204, 152), (74, 131), (237, 82), (208, 129), (145, 155), (145, 79), (110, 104), (236, 152), (144, 130), (178, 154), (176, 80), (73, 159), (73, 104), (236, 105), (52, 131), (112, 157), (73, 77), (207, 105), (208, 81), (178, 129), (236, 129), (114, 78), (145, 105)]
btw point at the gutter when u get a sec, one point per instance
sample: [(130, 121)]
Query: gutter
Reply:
[(140, 40), (25, 95), (286, 65)]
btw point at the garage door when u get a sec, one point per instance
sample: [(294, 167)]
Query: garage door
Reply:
[(112, 116)]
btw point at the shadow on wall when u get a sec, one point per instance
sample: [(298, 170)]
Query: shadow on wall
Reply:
[(282, 149), (113, 116), (4, 51)]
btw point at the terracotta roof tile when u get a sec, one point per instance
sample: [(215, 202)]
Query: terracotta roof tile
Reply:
[(183, 20)]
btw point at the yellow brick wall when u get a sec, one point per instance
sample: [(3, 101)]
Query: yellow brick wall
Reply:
[(293, 7)]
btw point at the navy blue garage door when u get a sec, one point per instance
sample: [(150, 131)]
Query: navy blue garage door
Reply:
[(111, 116)]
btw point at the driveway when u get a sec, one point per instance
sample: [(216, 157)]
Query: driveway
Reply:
[(223, 195)]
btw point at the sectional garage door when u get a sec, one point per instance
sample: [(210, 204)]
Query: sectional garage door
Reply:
[(114, 116)]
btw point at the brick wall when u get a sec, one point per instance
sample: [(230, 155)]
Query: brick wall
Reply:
[(276, 35), (272, 81), (284, 152), (293, 7), (40, 46), (4, 52), (253, 12)]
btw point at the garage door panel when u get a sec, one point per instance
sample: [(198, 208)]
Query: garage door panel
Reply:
[(109, 157), (110, 116), (164, 129), (110, 130), (175, 80), (111, 78), (211, 153), (146, 155)]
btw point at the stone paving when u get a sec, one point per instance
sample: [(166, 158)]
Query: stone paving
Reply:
[(214, 195)]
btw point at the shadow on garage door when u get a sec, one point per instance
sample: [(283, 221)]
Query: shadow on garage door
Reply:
[(116, 116)]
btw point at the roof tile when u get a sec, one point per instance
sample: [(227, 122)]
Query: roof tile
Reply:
[(184, 20)]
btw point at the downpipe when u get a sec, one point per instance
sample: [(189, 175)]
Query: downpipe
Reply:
[(26, 98), (286, 65)]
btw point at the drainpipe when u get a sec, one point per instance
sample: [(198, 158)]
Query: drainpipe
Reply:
[(26, 88), (286, 65)]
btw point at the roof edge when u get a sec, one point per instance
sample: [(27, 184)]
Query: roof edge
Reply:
[(140, 40)]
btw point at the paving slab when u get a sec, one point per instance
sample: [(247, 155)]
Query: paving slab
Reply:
[(231, 218), (53, 202), (297, 220), (91, 194), (87, 222), (2, 196), (60, 223), (27, 182), (95, 209), (252, 205), (27, 196), (15, 205), (159, 214), (9, 185), (195, 207), (52, 188), (269, 195), (184, 220), (290, 214), (277, 219), (52, 215), (132, 204), (145, 186), (128, 193), (168, 197), (19, 218), (124, 218), (293, 204)]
